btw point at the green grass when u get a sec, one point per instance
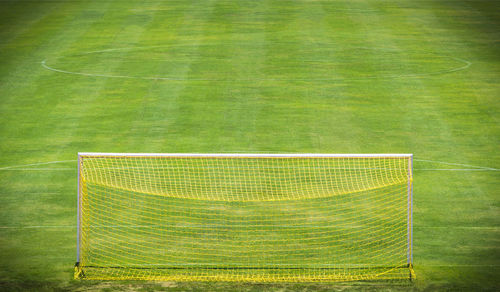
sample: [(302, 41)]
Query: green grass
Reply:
[(252, 76)]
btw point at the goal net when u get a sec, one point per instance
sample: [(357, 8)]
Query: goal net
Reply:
[(244, 217)]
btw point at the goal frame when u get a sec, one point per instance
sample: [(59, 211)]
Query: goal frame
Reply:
[(258, 155)]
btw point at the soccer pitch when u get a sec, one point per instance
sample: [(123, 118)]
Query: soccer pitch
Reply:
[(357, 76)]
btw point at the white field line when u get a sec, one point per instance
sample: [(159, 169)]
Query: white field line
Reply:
[(38, 227), (466, 64), (234, 225), (309, 265), (35, 164), (21, 167), (98, 75), (340, 266), (458, 164), (38, 169), (457, 265), (455, 169), (417, 169)]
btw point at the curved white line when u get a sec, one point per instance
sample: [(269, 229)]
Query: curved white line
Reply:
[(466, 65), (44, 64)]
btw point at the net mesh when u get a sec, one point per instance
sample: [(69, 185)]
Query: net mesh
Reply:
[(262, 219)]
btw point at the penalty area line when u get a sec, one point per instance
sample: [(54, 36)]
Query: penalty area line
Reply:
[(207, 226), (35, 164), (457, 164), (417, 169), (22, 167), (454, 169), (37, 169)]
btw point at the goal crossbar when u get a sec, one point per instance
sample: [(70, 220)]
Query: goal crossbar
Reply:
[(243, 155)]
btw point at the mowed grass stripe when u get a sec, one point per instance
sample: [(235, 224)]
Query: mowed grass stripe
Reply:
[(159, 103), (48, 116), (21, 88)]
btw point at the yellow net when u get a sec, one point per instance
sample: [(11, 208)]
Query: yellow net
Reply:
[(244, 218)]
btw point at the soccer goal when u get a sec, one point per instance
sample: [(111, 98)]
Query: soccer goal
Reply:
[(244, 217)]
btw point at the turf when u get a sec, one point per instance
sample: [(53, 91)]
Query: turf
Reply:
[(251, 76)]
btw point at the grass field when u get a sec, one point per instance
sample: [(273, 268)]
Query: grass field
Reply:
[(356, 76)]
